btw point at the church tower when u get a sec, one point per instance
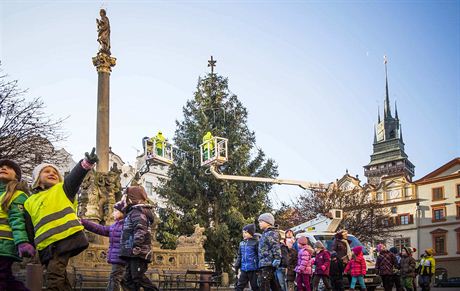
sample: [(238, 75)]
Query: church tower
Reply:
[(388, 157)]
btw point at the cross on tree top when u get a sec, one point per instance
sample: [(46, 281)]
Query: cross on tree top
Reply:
[(212, 64)]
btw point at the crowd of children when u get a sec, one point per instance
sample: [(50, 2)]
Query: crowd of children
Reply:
[(46, 222), (285, 263)]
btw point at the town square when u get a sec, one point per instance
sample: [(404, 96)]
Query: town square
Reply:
[(230, 145)]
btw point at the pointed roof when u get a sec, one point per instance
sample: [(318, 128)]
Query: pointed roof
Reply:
[(387, 109)]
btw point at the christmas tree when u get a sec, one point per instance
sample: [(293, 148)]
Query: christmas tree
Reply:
[(222, 207)]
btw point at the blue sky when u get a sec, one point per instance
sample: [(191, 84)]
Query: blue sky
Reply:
[(310, 73)]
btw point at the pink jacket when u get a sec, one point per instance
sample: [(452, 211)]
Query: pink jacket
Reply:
[(304, 262), (357, 266)]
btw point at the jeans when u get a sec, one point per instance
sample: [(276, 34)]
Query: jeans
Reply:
[(281, 276), (7, 280), (424, 281), (360, 280)]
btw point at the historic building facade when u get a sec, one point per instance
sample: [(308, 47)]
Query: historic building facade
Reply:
[(389, 175), (439, 215)]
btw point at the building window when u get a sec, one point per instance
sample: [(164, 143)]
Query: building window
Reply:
[(149, 188), (394, 210), (457, 230), (399, 243), (438, 213), (458, 190), (457, 206), (437, 193), (404, 219), (439, 241)]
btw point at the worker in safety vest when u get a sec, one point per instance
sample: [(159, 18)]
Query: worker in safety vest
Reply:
[(14, 242), (208, 150), (52, 220), (159, 140)]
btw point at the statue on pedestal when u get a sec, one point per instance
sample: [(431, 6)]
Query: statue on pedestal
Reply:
[(103, 32)]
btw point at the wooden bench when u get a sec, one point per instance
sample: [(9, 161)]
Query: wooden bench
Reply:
[(95, 279)]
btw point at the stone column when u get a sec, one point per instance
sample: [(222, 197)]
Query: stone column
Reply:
[(103, 63)]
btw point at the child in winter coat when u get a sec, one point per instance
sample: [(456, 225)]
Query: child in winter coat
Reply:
[(386, 263), (304, 265), (322, 264), (357, 267), (336, 272), (269, 253), (136, 239), (114, 233), (52, 221), (292, 263), (247, 260), (14, 242), (407, 269), (426, 270), (396, 279)]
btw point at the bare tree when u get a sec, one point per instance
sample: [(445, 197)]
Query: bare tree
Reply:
[(363, 216), (26, 131)]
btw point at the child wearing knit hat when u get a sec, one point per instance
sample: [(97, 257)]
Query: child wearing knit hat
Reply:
[(269, 252), (136, 239), (52, 219), (247, 260), (14, 243), (322, 266), (426, 269), (357, 267)]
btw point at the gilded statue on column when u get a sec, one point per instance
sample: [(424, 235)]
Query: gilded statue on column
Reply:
[(103, 32)]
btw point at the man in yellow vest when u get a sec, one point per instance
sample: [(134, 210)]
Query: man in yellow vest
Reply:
[(52, 221), (159, 142), (208, 150)]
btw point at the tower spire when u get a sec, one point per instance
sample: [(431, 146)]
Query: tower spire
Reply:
[(378, 113), (400, 133), (375, 135), (396, 110), (387, 110)]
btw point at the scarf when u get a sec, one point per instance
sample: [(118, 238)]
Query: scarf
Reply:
[(349, 253)]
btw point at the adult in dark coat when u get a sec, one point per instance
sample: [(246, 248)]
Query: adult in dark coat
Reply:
[(342, 246), (136, 240)]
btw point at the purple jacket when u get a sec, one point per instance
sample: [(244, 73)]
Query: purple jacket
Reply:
[(323, 258), (114, 233)]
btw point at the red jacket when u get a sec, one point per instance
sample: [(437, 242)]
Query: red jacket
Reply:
[(357, 266)]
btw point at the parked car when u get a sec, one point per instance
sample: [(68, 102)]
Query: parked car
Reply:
[(451, 282)]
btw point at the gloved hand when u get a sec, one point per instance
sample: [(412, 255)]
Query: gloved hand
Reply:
[(276, 263), (136, 251), (323, 267), (26, 250), (92, 157)]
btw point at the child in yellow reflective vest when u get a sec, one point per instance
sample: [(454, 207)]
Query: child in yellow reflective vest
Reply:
[(52, 221), (14, 242)]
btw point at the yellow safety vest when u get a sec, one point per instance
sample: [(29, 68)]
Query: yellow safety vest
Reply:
[(159, 141), (53, 216), (208, 137), (5, 229)]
